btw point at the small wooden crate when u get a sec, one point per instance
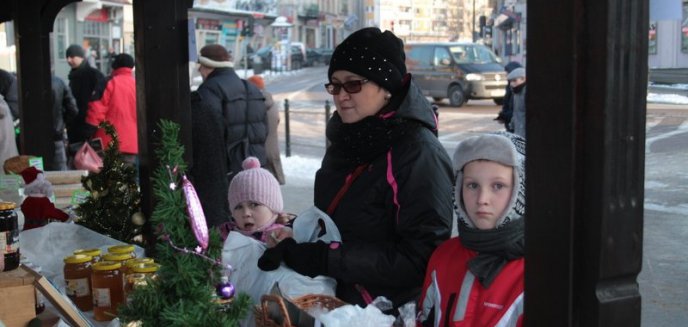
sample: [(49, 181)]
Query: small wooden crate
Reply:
[(17, 297)]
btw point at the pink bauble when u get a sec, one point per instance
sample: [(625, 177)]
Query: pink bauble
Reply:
[(196, 215)]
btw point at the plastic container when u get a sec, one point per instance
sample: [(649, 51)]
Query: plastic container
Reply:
[(108, 289), (9, 235), (77, 275), (94, 253)]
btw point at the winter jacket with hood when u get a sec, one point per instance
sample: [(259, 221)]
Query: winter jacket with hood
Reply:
[(394, 214)]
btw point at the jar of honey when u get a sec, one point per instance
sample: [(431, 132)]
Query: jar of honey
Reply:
[(136, 261), (122, 249), (94, 253), (121, 258), (138, 273), (9, 235), (77, 275), (108, 290)]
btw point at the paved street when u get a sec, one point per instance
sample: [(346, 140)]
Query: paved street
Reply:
[(664, 278)]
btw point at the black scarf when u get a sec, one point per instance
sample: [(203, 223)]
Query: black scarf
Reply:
[(361, 142), (495, 248)]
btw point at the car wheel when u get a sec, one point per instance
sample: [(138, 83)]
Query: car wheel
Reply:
[(498, 101), (456, 96)]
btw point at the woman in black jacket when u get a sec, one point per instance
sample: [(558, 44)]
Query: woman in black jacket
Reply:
[(386, 180)]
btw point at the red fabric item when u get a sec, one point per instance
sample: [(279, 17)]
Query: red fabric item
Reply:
[(38, 209), (118, 106), (500, 304), (29, 174)]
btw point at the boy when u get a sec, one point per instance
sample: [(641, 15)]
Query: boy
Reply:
[(477, 278)]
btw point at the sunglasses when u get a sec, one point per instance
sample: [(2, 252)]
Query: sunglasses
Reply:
[(350, 86)]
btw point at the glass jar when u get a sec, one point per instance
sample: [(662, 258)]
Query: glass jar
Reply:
[(122, 249), (138, 273), (108, 290), (94, 253), (121, 258), (9, 235), (77, 275), (136, 261)]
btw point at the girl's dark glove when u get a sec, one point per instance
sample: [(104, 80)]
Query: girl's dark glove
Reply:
[(308, 259)]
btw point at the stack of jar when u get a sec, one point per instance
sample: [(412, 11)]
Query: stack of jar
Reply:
[(100, 283)]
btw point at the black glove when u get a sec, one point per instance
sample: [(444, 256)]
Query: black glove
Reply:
[(308, 259)]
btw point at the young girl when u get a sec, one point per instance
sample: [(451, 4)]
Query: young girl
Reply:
[(477, 278), (255, 201), (256, 204)]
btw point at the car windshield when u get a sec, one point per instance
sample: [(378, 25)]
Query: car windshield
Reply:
[(472, 54)]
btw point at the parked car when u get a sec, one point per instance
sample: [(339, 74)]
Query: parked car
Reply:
[(458, 71), (264, 57), (316, 56)]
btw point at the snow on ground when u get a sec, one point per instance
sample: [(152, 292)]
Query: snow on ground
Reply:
[(300, 171), (667, 98)]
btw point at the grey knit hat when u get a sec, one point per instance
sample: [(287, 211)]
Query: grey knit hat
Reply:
[(516, 73), (505, 148)]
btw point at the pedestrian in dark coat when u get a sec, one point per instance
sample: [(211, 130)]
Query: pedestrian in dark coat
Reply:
[(386, 180), (64, 111), (85, 81), (506, 113), (241, 107), (8, 89)]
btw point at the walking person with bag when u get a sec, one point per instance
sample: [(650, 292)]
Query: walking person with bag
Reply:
[(236, 108), (386, 181)]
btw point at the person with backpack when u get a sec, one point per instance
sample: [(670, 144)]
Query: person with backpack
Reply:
[(236, 110)]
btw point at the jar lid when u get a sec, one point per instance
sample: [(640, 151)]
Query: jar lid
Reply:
[(145, 268), (91, 252), (137, 261), (117, 256), (121, 249), (106, 265), (78, 258), (7, 205)]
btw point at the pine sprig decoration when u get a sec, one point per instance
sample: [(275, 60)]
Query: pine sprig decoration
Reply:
[(113, 206), (182, 292)]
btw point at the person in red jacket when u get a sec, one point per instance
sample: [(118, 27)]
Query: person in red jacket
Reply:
[(118, 106), (37, 208), (476, 279)]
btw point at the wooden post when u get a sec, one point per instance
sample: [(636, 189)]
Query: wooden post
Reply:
[(587, 84), (162, 81)]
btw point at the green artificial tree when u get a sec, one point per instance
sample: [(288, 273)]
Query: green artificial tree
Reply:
[(112, 207), (183, 291)]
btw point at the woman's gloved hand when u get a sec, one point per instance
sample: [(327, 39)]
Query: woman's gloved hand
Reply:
[(308, 259)]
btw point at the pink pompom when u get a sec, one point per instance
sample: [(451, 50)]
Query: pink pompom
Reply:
[(250, 163)]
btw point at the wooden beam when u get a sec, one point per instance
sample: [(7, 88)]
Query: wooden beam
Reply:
[(587, 85), (33, 72), (162, 81)]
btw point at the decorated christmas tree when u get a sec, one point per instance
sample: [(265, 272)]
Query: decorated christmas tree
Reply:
[(185, 291), (112, 207)]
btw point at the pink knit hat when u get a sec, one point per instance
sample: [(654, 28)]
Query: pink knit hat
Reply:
[(255, 184)]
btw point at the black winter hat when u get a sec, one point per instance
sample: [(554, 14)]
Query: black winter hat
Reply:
[(75, 50), (123, 60), (374, 55)]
